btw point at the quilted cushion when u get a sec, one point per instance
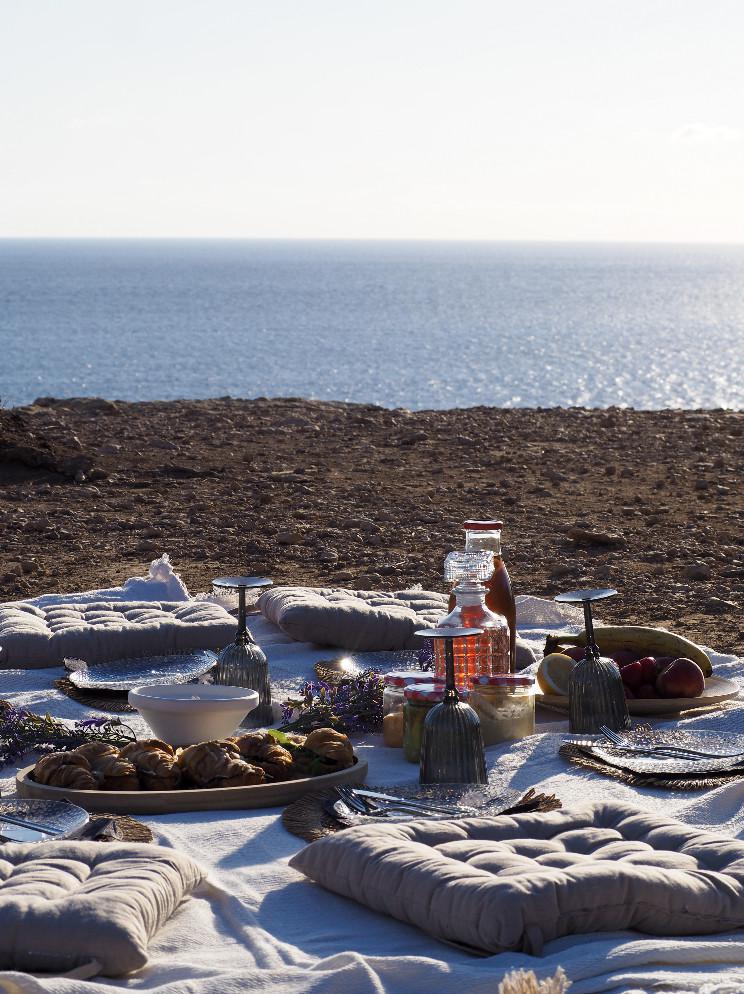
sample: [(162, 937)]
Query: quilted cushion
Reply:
[(99, 631), (513, 883), (353, 619), (67, 904)]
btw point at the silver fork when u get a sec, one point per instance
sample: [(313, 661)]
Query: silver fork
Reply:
[(662, 749), (366, 806)]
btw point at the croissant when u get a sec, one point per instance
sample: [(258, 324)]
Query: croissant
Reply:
[(149, 745), (218, 760), (248, 776), (65, 769), (157, 767), (332, 746), (93, 751), (273, 758), (116, 773)]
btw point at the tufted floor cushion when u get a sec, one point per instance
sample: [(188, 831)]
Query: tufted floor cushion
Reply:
[(513, 883), (33, 637), (361, 620), (64, 905)]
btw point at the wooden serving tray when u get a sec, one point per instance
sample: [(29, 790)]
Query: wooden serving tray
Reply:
[(163, 802), (717, 691)]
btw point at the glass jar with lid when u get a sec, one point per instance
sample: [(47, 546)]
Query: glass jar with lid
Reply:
[(420, 698), (396, 681), (505, 705)]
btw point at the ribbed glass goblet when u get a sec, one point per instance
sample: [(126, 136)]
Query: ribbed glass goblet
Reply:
[(243, 663), (452, 744)]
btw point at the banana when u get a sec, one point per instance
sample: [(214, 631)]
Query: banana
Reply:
[(650, 641)]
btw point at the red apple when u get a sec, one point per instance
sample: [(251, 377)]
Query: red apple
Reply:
[(576, 652), (646, 691), (624, 656), (682, 678), (632, 675), (650, 670)]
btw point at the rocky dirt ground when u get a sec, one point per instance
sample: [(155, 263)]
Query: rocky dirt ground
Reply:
[(354, 495)]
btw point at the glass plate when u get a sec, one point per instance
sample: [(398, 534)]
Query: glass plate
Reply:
[(710, 741), (123, 674), (487, 799), (66, 819)]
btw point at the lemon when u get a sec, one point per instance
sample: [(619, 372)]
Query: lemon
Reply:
[(554, 672)]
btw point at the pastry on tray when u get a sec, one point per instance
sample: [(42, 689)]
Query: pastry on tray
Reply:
[(156, 764), (218, 764), (115, 773), (261, 757), (261, 749), (65, 769)]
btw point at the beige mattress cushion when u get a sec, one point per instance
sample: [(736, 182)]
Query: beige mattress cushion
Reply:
[(361, 620), (33, 637), (67, 904), (513, 883)]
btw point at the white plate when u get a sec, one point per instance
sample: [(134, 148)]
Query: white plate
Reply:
[(708, 741), (717, 691)]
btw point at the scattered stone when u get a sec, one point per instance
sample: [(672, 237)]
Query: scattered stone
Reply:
[(716, 605), (290, 538), (697, 571), (343, 576), (583, 536)]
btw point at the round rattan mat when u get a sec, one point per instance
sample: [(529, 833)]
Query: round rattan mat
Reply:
[(126, 829), (678, 781), (307, 817), (100, 700)]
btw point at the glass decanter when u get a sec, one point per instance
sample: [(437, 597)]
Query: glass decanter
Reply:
[(487, 654)]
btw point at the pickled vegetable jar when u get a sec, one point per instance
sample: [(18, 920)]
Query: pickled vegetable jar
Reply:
[(505, 705)]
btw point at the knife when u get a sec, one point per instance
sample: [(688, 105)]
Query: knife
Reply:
[(422, 804)]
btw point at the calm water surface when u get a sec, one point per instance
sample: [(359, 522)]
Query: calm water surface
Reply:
[(420, 325)]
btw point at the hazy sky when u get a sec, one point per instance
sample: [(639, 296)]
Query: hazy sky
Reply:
[(495, 119)]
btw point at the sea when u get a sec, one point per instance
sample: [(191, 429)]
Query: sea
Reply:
[(418, 325)]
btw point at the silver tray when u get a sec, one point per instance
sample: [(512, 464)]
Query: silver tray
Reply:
[(123, 674)]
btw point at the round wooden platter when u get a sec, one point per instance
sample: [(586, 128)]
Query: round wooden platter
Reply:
[(718, 690), (163, 802)]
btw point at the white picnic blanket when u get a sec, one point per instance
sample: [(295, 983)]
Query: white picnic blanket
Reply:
[(267, 929)]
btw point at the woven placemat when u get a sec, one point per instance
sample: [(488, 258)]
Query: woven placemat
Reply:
[(670, 781), (125, 829), (307, 817), (100, 700)]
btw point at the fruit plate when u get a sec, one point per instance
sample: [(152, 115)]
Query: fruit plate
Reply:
[(163, 802), (717, 691)]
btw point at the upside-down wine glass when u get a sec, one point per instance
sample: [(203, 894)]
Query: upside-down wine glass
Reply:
[(243, 663), (595, 688), (452, 744)]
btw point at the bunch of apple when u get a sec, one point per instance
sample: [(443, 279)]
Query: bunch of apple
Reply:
[(648, 677)]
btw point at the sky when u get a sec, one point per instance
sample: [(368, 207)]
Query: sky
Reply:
[(568, 120)]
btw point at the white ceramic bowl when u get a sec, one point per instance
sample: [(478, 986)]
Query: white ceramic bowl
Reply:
[(183, 714)]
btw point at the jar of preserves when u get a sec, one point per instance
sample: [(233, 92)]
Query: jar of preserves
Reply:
[(420, 699), (395, 683), (505, 705)]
